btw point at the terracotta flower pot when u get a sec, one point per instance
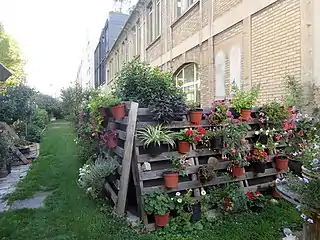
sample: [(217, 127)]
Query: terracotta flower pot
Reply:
[(196, 116), (282, 164), (171, 179), (163, 220), (237, 171), (118, 112), (259, 167), (112, 141), (246, 114), (275, 194), (183, 147)]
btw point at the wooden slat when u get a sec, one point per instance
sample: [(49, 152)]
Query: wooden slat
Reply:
[(124, 121), (257, 187), (119, 151), (156, 174), (121, 134), (168, 155), (114, 197), (127, 157), (220, 180)]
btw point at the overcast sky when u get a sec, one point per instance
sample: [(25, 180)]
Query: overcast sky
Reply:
[(52, 35)]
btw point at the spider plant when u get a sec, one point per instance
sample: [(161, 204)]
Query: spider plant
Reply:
[(153, 136)]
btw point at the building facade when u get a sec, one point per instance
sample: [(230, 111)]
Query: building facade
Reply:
[(210, 44), (110, 32)]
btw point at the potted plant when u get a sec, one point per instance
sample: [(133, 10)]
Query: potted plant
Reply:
[(179, 167), (263, 136), (117, 108), (259, 158), (257, 202), (236, 146), (273, 115), (243, 100), (159, 204), (153, 136), (282, 160), (112, 139), (274, 192), (311, 160), (219, 113), (195, 112), (187, 137)]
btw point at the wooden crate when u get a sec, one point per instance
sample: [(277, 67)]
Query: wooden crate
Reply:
[(145, 181)]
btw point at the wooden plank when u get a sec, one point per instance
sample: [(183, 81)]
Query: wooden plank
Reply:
[(123, 121), (156, 174), (119, 151), (114, 197), (257, 187), (220, 180), (136, 171), (121, 134), (126, 162), (168, 155)]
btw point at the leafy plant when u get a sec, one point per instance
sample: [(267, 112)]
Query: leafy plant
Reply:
[(294, 97), (244, 99), (191, 135), (167, 108), (193, 106), (180, 165), (258, 153), (275, 114), (157, 202), (256, 201), (155, 135), (210, 134), (219, 113), (92, 177)]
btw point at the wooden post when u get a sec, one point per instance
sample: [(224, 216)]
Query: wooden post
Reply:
[(126, 162)]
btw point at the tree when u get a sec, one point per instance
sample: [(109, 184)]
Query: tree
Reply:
[(50, 104), (10, 57)]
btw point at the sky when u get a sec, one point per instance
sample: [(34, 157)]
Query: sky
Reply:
[(52, 35)]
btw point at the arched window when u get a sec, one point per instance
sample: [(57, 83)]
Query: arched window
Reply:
[(188, 79), (220, 69)]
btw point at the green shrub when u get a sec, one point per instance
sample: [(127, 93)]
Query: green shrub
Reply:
[(141, 83)]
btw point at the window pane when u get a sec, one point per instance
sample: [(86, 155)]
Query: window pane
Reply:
[(189, 74), (179, 8), (158, 19)]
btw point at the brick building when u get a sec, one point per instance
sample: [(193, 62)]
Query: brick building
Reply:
[(208, 44)]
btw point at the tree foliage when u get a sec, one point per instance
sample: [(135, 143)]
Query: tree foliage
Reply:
[(10, 57), (50, 104)]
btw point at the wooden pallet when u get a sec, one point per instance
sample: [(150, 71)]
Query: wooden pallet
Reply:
[(145, 181)]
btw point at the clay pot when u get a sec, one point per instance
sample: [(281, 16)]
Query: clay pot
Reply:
[(282, 164), (162, 220), (171, 179), (196, 116), (183, 147), (246, 114), (237, 171), (259, 167), (118, 112), (275, 194)]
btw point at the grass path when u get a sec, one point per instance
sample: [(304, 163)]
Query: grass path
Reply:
[(69, 214)]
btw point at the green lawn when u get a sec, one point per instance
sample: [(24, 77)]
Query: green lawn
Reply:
[(69, 214)]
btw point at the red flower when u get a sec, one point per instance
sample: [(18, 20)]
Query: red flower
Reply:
[(250, 195), (301, 133), (189, 132), (289, 132), (197, 138), (258, 194), (278, 137), (201, 131)]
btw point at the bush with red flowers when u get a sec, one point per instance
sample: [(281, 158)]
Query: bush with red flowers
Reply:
[(259, 154), (256, 201), (190, 135), (219, 113)]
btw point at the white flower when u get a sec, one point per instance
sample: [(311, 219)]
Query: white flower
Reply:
[(171, 199), (256, 132), (268, 131), (273, 129), (264, 146), (310, 220), (276, 144), (298, 207), (306, 116), (178, 194), (294, 154), (303, 216), (179, 200), (278, 181), (203, 192), (261, 130)]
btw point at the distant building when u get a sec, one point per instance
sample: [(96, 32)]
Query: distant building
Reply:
[(210, 44), (109, 35), (85, 74)]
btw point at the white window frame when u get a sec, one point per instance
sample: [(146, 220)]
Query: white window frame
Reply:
[(158, 19), (150, 22), (138, 37), (196, 79), (185, 5)]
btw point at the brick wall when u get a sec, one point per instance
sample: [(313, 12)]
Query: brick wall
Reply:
[(154, 51), (223, 6), (276, 47), (206, 5), (186, 26)]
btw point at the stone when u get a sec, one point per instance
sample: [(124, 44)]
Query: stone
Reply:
[(274, 201), (133, 219), (146, 166), (37, 201)]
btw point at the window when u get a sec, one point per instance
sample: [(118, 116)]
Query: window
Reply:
[(220, 70), (150, 23), (235, 66), (134, 41), (188, 79), (182, 6), (123, 57), (158, 19), (138, 40), (126, 50), (153, 20)]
